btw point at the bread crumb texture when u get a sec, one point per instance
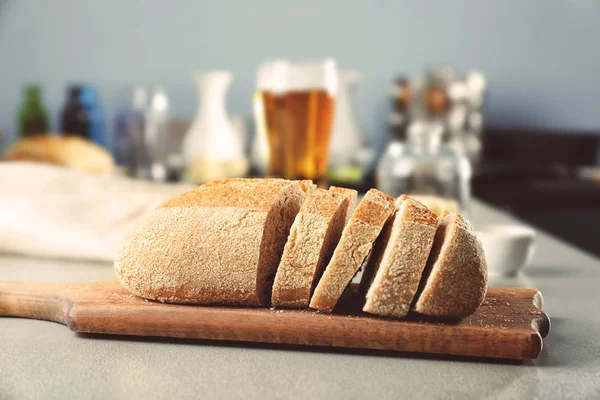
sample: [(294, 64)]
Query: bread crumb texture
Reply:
[(401, 256), (399, 274), (306, 249)]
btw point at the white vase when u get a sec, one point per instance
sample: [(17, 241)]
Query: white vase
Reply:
[(346, 137), (212, 148)]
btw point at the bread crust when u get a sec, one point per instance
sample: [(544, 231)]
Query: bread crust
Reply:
[(208, 246), (307, 186), (315, 232), (357, 240), (455, 280), (350, 194), (398, 259), (251, 194)]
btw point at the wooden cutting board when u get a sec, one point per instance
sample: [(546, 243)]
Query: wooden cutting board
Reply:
[(510, 324)]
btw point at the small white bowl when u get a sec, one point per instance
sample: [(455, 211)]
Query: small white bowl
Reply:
[(508, 248)]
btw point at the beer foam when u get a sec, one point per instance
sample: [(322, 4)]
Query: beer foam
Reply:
[(280, 76), (271, 75)]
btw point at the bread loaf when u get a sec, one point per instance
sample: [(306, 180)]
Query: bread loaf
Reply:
[(222, 243), (218, 244), (66, 151)]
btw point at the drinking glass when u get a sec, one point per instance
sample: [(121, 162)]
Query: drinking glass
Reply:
[(295, 109), (268, 107)]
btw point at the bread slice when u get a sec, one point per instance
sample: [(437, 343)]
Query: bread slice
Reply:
[(356, 242), (313, 237), (398, 259), (218, 244), (350, 194), (455, 280)]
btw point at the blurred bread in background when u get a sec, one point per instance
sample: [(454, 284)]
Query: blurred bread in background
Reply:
[(67, 151)]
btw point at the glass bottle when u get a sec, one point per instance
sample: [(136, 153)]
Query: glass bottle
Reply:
[(89, 100), (74, 118), (157, 134), (129, 149), (33, 118), (426, 169)]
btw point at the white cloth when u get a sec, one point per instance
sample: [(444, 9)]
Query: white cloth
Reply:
[(48, 211)]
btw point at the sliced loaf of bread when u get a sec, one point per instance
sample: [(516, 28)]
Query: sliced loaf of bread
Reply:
[(454, 283), (313, 237), (218, 244), (355, 244), (398, 259)]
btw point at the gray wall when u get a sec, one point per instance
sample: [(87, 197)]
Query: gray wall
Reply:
[(541, 56)]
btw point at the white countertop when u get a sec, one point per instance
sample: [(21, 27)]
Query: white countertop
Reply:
[(41, 359)]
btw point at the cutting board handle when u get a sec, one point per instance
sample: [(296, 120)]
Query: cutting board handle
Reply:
[(45, 301)]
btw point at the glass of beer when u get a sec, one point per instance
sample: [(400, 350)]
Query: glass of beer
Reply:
[(268, 107), (297, 104)]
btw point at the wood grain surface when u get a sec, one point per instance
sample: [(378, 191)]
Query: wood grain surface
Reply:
[(510, 324)]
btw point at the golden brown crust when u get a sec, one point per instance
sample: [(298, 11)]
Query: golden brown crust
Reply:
[(253, 194), (307, 186), (416, 212), (356, 243), (455, 281), (398, 259), (379, 212), (381, 196)]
